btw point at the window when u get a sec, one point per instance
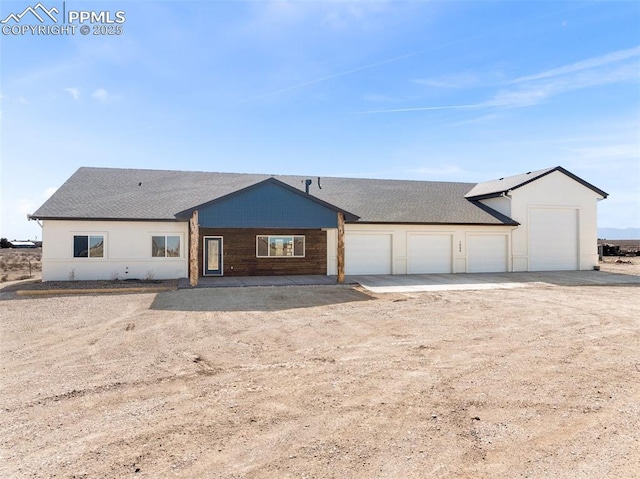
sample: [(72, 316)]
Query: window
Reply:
[(165, 246), (280, 246), (88, 246)]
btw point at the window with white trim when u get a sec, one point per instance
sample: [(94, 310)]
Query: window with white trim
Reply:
[(280, 246), (165, 246), (88, 246)]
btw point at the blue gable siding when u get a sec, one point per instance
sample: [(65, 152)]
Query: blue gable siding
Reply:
[(267, 205)]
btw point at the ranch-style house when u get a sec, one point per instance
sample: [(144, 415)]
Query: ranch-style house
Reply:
[(108, 223)]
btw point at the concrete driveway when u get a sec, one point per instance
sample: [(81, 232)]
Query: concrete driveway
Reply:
[(249, 281), (426, 282), (475, 281)]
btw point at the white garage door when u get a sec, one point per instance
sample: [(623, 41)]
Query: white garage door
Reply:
[(367, 253), (487, 253), (429, 253), (553, 239)]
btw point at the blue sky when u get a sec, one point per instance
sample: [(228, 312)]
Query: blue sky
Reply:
[(427, 90)]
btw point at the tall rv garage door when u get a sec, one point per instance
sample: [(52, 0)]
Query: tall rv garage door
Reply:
[(429, 253), (487, 253), (367, 253), (553, 239)]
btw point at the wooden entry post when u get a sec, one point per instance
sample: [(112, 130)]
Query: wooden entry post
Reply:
[(194, 241), (340, 247)]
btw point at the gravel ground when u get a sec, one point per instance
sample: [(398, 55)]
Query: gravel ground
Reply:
[(621, 265), (322, 382), (36, 285)]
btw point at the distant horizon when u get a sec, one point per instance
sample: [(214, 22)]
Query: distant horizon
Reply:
[(633, 234)]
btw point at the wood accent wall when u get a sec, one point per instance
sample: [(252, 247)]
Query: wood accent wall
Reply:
[(193, 249), (340, 247), (239, 252)]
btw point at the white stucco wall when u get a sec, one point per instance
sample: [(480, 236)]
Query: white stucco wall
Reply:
[(555, 190), (501, 204), (400, 239), (127, 250)]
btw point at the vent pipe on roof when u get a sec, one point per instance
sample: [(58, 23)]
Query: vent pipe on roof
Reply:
[(307, 184)]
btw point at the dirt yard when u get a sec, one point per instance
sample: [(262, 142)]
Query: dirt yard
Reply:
[(19, 264), (621, 264), (322, 382)]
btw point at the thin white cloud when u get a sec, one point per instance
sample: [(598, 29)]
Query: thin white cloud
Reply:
[(613, 156), (101, 94), (616, 67), (458, 80), (588, 64), (527, 96), (342, 14), (534, 92), (432, 108), (330, 77), (74, 92), (335, 14)]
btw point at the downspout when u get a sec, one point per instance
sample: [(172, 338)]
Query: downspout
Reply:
[(507, 195)]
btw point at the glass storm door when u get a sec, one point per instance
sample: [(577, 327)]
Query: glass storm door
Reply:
[(212, 256)]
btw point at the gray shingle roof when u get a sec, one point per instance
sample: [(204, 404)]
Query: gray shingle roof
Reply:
[(497, 187), (130, 194)]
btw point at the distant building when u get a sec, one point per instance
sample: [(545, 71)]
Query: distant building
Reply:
[(22, 244)]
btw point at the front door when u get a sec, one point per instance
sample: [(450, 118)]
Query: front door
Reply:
[(212, 256)]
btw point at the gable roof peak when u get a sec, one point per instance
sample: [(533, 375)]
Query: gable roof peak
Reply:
[(268, 181), (494, 188)]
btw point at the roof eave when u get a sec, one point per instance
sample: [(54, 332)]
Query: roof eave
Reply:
[(85, 218), (486, 196), (602, 193), (498, 193), (436, 223)]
